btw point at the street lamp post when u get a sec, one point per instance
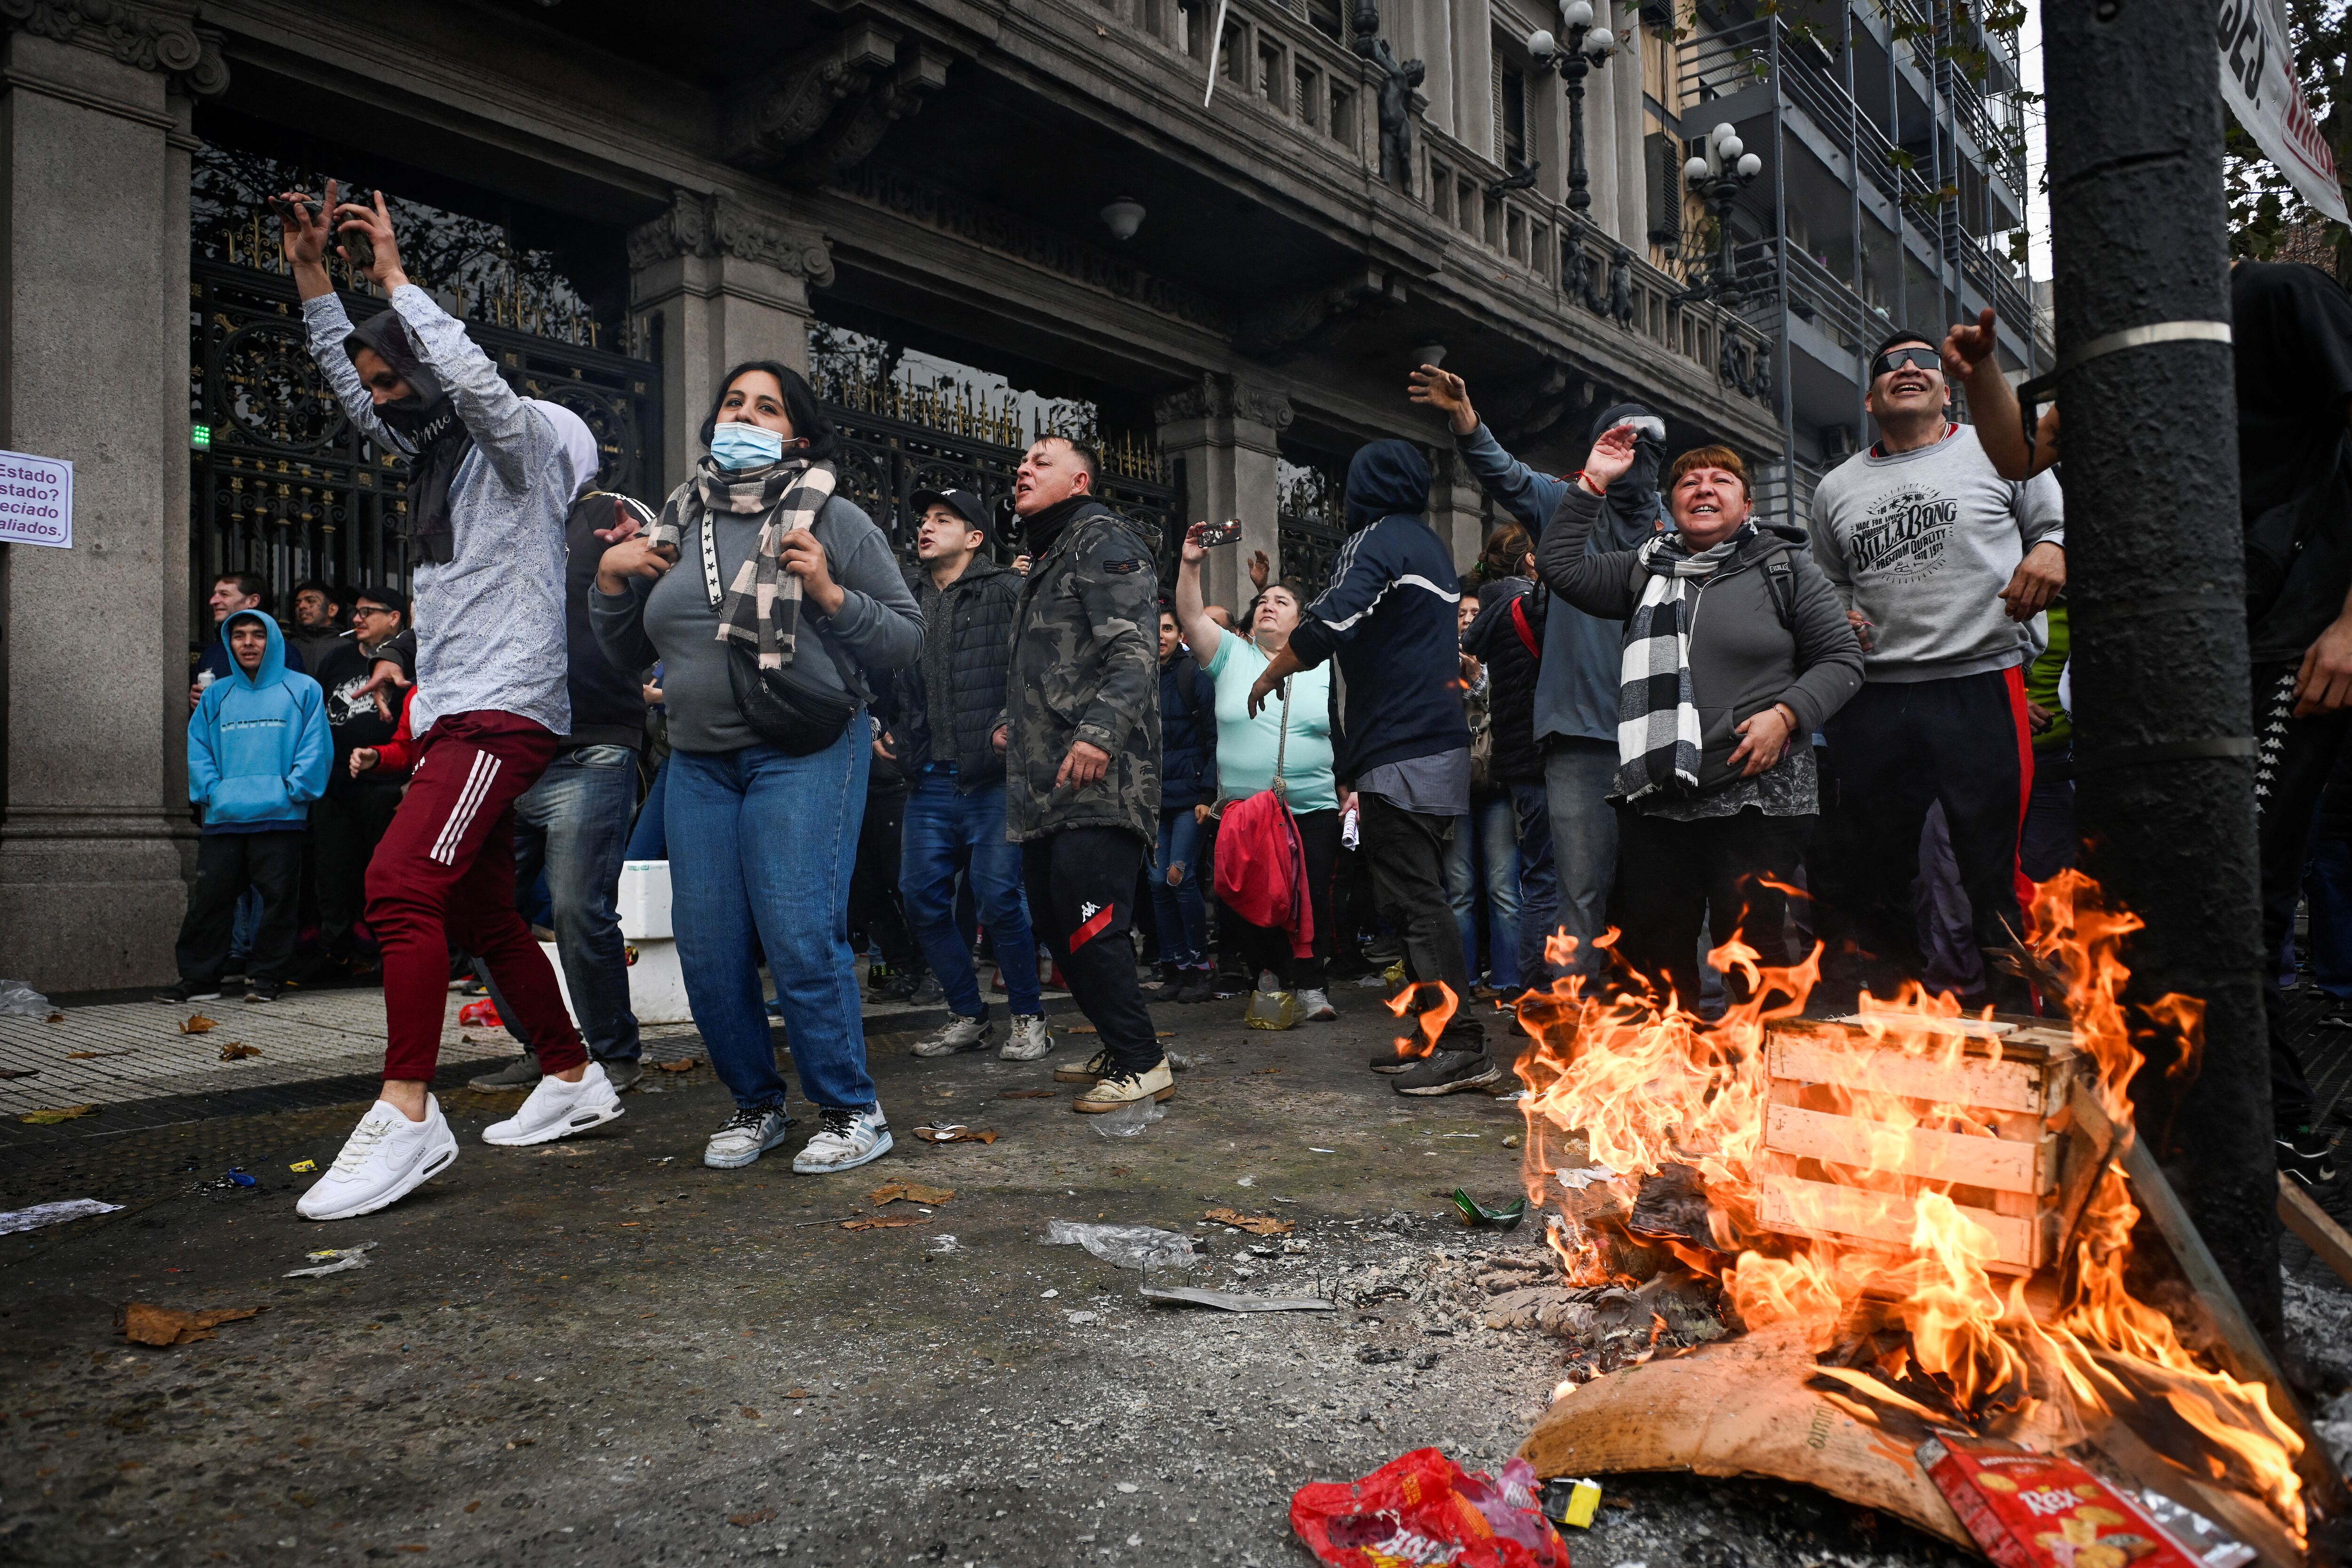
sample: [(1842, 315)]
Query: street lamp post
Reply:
[(1589, 48), (1721, 171)]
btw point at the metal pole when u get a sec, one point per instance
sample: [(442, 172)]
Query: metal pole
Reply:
[(1779, 351), (1573, 68), (2157, 584)]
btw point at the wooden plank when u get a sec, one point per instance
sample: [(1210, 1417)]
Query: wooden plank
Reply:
[(1795, 1206), (2315, 1225), (1974, 1082), (1913, 1022), (2007, 1165)]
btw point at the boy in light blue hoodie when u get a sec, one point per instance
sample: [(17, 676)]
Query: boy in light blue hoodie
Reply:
[(258, 753)]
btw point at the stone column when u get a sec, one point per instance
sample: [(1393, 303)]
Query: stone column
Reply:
[(711, 284), (1458, 508), (1224, 431), (94, 369)]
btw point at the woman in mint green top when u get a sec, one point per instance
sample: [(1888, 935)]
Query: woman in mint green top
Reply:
[(1246, 750)]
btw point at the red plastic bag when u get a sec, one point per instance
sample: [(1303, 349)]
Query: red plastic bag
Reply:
[(1424, 1509), (1262, 869), (481, 1014)]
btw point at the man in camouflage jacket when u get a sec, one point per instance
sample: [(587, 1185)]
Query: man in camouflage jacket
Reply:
[(1082, 753)]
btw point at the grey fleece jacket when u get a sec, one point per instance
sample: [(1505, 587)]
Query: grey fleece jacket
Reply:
[(878, 625), (1743, 657)]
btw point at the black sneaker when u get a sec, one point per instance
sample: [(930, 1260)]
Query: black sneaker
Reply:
[(621, 1073), (187, 991), (1389, 1061), (521, 1073), (263, 990), (1449, 1072), (1198, 986), (2309, 1157)]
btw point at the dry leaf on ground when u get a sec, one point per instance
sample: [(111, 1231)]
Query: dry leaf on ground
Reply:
[(1256, 1225), (885, 1222), (57, 1017), (63, 1113), (237, 1050), (20, 1072), (913, 1191), (798, 1394), (955, 1132), (1261, 1072), (92, 1055), (757, 1515), (145, 1325), (198, 1024), (749, 1413), (684, 1064), (1027, 1093)]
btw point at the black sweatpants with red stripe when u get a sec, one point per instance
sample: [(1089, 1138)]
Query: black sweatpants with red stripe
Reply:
[(1081, 885), (1897, 747)]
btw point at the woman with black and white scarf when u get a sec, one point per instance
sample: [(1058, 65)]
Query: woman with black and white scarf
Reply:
[(1735, 650), (770, 600)]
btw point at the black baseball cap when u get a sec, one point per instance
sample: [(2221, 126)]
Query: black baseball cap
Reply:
[(963, 503)]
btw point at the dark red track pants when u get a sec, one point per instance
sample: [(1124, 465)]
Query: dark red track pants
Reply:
[(444, 872)]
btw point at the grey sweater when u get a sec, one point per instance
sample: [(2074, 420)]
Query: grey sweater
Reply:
[(1744, 656), (1922, 544), (879, 626)]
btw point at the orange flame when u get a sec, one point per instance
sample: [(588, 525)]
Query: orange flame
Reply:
[(1896, 1211)]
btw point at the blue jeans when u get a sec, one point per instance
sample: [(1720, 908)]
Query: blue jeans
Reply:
[(2327, 884), (1539, 882), (762, 842), (573, 825), (1577, 775), (247, 926), (1183, 913), (1485, 849), (647, 840), (946, 833)]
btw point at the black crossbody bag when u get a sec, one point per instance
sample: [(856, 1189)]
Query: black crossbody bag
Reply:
[(796, 722)]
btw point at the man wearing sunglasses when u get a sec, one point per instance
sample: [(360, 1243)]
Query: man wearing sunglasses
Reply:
[(1942, 563)]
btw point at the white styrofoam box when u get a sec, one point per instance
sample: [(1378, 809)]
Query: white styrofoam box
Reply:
[(644, 899), (656, 988)]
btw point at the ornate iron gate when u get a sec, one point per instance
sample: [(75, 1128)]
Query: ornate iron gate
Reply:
[(283, 485)]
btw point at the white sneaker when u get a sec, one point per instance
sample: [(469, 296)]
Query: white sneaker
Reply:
[(557, 1109), (1028, 1042), (747, 1135), (386, 1158), (849, 1138), (1315, 1006), (954, 1035)]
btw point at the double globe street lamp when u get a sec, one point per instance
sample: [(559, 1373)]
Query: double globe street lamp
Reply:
[(1721, 168), (1588, 49)]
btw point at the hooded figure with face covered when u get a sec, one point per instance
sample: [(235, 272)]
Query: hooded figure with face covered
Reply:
[(1388, 618), (1568, 830)]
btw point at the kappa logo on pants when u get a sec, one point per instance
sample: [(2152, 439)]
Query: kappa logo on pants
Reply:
[(1096, 917), (485, 772)]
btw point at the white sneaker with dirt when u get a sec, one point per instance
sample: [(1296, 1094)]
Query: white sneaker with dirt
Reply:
[(957, 1035), (1089, 1072), (557, 1109), (1029, 1042), (386, 1158), (747, 1135), (851, 1136), (1117, 1087), (1315, 1006)]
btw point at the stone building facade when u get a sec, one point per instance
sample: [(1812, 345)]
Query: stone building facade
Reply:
[(953, 176)]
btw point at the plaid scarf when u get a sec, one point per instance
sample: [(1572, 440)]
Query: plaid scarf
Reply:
[(763, 607), (1657, 715)]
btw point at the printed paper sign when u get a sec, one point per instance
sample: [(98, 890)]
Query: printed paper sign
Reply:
[(35, 500), (2258, 81)]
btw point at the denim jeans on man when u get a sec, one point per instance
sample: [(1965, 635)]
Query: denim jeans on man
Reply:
[(1538, 882), (763, 843), (1183, 913), (1576, 776), (947, 831), (1485, 856), (573, 824)]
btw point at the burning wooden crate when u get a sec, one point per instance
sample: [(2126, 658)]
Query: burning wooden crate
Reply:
[(1849, 1105)]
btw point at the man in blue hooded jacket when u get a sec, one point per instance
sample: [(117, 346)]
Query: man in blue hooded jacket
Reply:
[(1576, 688), (1390, 617), (258, 751)]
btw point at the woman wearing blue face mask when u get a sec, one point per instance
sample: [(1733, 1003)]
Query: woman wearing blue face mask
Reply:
[(770, 601)]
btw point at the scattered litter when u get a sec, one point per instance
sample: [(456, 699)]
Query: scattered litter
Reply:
[(1183, 1063), (885, 1222), (799, 1393), (1078, 1317), (237, 1178), (237, 1050), (1235, 1301), (20, 1072), (149, 1325), (944, 1243), (1379, 1356), (1256, 1225), (197, 1024), (1571, 1501), (2007, 1499), (1262, 1072), (1128, 1121), (664, 1160), (1422, 1507), (40, 1214), (62, 1113), (333, 1260), (1027, 1093), (55, 1019), (1478, 1217), (1048, 1295), (1244, 1180), (1591, 1176), (757, 1515), (1512, 1142), (19, 1000), (683, 1064), (303, 1165), (1312, 1150), (1459, 1135), (954, 1132), (1141, 1247), (1514, 1095), (912, 1192), (2203, 1538), (93, 1055), (480, 1015)]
